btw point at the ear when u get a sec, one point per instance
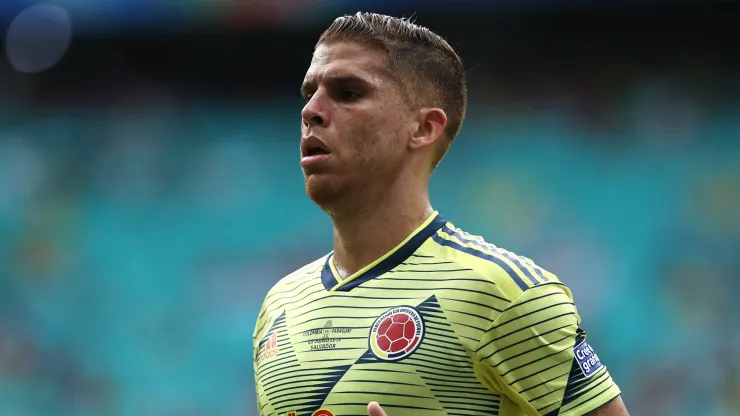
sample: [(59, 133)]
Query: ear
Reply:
[(432, 124)]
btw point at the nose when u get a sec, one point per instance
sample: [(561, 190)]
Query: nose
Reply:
[(315, 112)]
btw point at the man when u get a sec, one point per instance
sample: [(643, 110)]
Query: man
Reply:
[(409, 315)]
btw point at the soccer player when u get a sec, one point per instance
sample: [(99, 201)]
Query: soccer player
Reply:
[(408, 314)]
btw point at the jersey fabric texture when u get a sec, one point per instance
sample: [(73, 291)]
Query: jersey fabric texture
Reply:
[(444, 324)]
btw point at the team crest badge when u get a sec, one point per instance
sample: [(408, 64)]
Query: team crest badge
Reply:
[(396, 333)]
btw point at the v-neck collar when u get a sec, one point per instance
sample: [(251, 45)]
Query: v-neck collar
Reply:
[(385, 263)]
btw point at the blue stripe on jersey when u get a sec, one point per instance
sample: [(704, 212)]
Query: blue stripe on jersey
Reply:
[(539, 272), (395, 259), (452, 232), (477, 253)]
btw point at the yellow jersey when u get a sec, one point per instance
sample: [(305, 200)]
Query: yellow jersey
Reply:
[(443, 324)]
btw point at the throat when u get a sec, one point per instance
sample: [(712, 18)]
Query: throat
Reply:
[(357, 247), (371, 267)]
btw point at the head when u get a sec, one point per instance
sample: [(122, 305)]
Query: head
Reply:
[(385, 98)]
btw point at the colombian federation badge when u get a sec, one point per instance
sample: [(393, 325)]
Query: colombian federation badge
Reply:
[(396, 333)]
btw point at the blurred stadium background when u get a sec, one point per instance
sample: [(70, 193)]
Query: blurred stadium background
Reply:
[(150, 192)]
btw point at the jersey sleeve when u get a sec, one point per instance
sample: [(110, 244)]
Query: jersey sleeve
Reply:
[(535, 353), (258, 329)]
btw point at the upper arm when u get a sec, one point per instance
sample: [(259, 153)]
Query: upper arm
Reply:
[(536, 354), (615, 407)]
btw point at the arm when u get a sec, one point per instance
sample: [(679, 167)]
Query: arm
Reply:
[(536, 354), (615, 407)]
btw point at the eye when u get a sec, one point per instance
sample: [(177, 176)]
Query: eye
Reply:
[(350, 95)]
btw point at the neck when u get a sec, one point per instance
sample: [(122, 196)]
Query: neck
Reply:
[(365, 231)]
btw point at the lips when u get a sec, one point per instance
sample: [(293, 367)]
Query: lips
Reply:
[(313, 152), (313, 146)]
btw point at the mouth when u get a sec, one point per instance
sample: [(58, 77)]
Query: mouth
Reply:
[(313, 146), (314, 153), (316, 150)]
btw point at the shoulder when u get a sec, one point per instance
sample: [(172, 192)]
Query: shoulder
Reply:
[(514, 274), (297, 278), (292, 285)]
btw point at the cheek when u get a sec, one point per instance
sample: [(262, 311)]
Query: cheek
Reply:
[(362, 133), (391, 136), (375, 136)]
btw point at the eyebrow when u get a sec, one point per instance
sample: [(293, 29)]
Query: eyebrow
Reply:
[(336, 79)]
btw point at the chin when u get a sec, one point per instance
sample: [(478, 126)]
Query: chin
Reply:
[(323, 190)]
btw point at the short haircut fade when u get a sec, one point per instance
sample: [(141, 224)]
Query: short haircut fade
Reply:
[(428, 68)]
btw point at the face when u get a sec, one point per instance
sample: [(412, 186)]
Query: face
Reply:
[(355, 125)]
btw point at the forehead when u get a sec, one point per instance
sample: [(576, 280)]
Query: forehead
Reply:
[(348, 59)]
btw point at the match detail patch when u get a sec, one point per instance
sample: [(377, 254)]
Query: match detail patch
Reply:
[(587, 359), (396, 333)]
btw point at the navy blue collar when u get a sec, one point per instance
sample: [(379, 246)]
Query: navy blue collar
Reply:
[(397, 257)]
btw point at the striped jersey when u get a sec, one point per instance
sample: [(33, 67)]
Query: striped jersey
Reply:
[(443, 324)]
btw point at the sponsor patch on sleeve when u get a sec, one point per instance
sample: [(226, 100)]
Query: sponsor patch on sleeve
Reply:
[(587, 359)]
